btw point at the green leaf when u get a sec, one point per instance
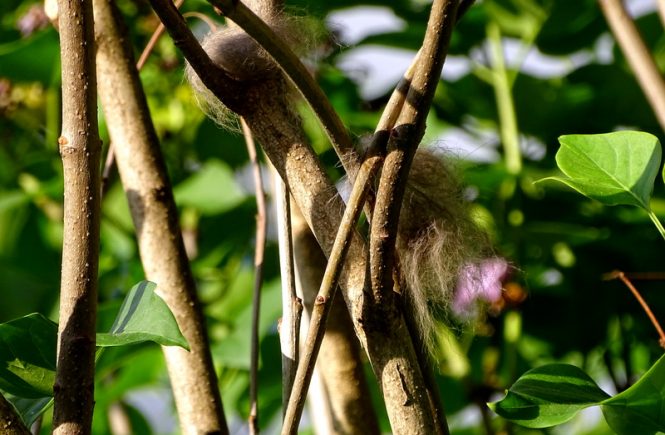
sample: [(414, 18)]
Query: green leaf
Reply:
[(613, 168), (549, 395), (27, 356), (196, 191), (640, 408), (143, 316)]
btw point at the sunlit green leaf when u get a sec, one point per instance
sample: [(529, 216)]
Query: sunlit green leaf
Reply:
[(211, 190), (549, 395), (143, 316), (613, 168)]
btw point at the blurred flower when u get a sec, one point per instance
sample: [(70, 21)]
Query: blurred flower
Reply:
[(33, 20), (480, 281)]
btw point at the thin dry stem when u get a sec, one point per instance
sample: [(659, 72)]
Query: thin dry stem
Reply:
[(639, 58), (260, 247), (617, 274)]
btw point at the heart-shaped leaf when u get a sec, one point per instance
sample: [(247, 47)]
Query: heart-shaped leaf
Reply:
[(143, 316), (549, 395), (640, 408), (613, 168)]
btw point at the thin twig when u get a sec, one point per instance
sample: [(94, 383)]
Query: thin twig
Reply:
[(294, 69), (289, 329), (327, 292), (109, 162), (622, 276), (636, 52), (261, 229)]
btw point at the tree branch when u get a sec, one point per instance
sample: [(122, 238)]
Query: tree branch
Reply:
[(145, 179), (405, 138), (80, 148), (638, 55), (386, 340)]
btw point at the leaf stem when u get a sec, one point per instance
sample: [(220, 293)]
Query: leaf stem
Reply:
[(504, 100), (657, 223), (622, 276)]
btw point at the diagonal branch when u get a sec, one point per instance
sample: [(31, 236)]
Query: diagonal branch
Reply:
[(80, 148), (636, 52)]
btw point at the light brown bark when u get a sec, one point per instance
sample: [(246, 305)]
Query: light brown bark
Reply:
[(80, 149), (146, 183)]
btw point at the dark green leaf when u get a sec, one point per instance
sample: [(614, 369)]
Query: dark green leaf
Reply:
[(31, 409), (143, 316), (641, 408), (27, 356), (549, 395), (613, 168)]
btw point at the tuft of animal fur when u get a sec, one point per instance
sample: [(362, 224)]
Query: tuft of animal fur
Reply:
[(237, 53), (436, 239)]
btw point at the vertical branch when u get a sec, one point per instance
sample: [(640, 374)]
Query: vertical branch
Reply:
[(261, 228), (80, 148), (289, 329), (638, 55), (109, 162), (404, 140), (661, 11), (146, 183)]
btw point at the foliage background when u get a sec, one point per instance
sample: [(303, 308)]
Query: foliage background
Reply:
[(556, 306)]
